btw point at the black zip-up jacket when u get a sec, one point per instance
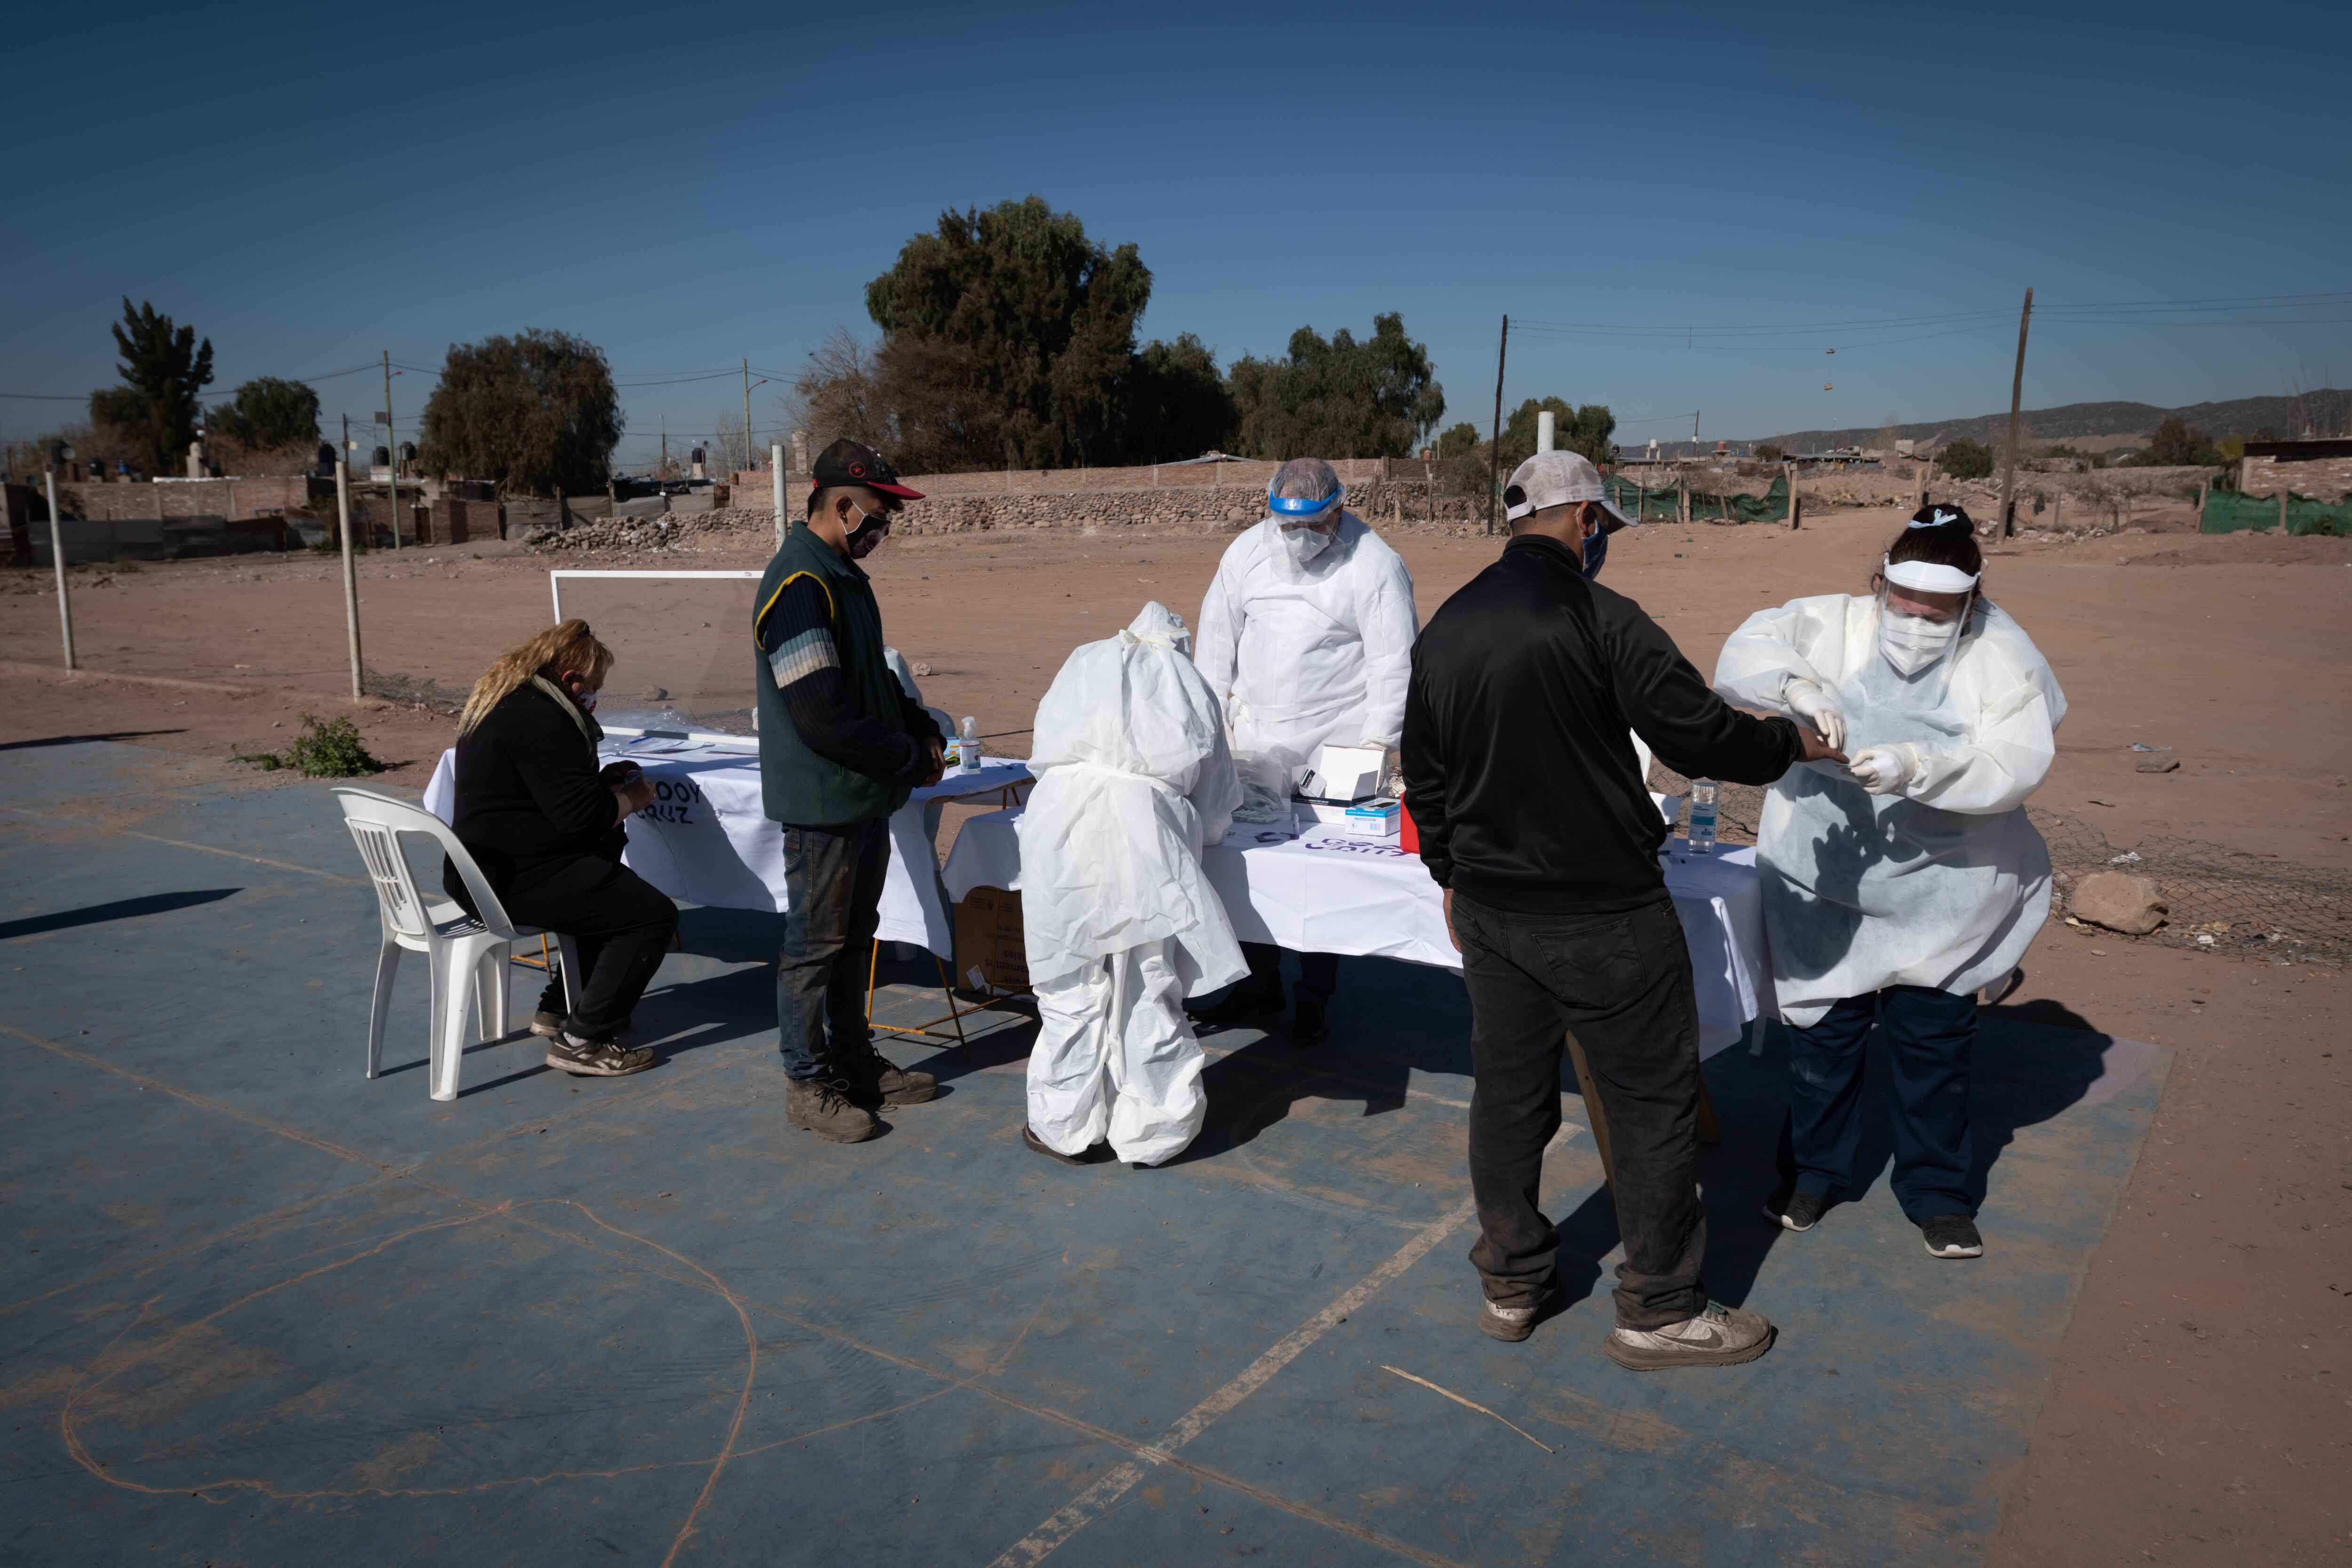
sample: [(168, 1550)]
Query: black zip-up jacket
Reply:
[(1517, 771), (528, 791)]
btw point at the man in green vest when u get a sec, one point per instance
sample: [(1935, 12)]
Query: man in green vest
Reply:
[(840, 749)]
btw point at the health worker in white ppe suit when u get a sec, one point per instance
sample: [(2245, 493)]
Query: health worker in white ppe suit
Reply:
[(1134, 780), (1897, 886), (1306, 635)]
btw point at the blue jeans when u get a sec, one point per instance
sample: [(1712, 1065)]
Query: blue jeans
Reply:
[(1930, 1036), (832, 886)]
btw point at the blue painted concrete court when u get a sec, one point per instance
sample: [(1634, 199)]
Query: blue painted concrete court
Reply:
[(255, 1309)]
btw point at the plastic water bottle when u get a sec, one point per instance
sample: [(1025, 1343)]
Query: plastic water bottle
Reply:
[(1702, 816), (967, 744)]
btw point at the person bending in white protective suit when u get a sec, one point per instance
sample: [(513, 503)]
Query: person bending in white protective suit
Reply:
[(1134, 780), (1897, 886), (1307, 635)]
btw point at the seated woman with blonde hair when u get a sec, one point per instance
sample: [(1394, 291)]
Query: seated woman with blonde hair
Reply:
[(544, 825)]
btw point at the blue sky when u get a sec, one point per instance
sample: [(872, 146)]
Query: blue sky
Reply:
[(691, 188)]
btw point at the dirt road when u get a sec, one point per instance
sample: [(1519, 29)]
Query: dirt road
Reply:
[(2203, 1398)]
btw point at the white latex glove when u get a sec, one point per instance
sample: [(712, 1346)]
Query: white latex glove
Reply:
[(1818, 709), (1885, 770)]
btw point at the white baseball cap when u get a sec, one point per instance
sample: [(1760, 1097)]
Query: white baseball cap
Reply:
[(1559, 478)]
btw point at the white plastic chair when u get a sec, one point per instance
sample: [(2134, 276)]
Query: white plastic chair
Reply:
[(454, 943)]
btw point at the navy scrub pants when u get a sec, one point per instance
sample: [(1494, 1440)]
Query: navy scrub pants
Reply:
[(1930, 1035)]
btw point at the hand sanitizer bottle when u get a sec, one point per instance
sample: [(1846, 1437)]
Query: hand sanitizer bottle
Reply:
[(967, 744), (1702, 816)]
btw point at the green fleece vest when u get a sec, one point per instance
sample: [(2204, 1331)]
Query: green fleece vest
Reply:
[(798, 787)]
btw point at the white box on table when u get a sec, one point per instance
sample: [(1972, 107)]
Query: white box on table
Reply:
[(1345, 772), (1372, 819)]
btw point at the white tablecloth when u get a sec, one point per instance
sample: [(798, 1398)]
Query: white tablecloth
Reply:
[(707, 838), (1329, 893)]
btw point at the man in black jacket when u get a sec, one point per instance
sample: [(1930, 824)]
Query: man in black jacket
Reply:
[(841, 747), (1534, 818)]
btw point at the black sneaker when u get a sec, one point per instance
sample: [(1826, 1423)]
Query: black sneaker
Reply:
[(1794, 1209), (1242, 1001), (1029, 1136), (1951, 1235), (1309, 1024), (597, 1058), (873, 1079), (547, 1024)]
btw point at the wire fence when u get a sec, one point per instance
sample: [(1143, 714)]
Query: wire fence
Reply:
[(2218, 898)]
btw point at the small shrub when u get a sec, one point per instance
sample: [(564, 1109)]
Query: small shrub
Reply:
[(326, 748), (1966, 459)]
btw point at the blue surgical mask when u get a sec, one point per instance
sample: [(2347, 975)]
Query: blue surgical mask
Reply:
[(1596, 551)]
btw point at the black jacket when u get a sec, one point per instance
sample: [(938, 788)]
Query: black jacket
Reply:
[(1518, 771), (527, 794)]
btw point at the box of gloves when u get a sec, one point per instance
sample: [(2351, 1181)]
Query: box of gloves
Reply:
[(1343, 774), (1372, 819)]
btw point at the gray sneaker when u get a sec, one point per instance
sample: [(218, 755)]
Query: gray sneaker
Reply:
[(1718, 1336), (1951, 1235), (822, 1106), (597, 1058), (1511, 1324)]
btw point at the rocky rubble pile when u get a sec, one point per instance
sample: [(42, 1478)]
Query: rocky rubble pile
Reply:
[(686, 533)]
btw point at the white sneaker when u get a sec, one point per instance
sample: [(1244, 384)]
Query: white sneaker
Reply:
[(1718, 1336)]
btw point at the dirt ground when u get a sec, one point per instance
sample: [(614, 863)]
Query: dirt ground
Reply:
[(2204, 1395)]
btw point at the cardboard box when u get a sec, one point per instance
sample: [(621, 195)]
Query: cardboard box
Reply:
[(991, 952)]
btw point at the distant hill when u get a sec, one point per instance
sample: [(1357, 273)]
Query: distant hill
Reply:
[(2103, 426)]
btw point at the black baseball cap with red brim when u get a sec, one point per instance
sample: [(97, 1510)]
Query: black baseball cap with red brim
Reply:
[(848, 462)]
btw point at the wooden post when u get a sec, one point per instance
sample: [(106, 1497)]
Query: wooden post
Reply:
[(1795, 510), (2204, 488), (1494, 480), (2058, 513), (1682, 500), (58, 558), (2016, 391), (350, 574), (2282, 500)]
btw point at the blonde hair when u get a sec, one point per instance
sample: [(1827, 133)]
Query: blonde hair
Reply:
[(567, 645)]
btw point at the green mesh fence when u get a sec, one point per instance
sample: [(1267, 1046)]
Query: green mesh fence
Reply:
[(1644, 504), (2226, 512)]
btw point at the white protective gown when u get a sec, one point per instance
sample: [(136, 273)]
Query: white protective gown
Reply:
[(1302, 655), (1943, 884), (1134, 780)]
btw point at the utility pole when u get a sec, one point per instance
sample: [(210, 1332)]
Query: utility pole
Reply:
[(776, 488), (59, 453), (2016, 391), (350, 574), (1494, 480), (391, 453), (747, 413)]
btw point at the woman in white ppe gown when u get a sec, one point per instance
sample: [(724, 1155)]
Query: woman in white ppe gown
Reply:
[(1306, 635), (1897, 886), (1134, 781)]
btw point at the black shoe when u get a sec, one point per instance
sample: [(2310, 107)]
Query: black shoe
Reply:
[(1951, 1235), (1794, 1209), (1244, 1001), (1307, 1024), (597, 1058), (1029, 1136), (874, 1081), (822, 1105)]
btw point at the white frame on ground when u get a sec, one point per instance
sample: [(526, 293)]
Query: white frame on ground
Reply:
[(706, 737)]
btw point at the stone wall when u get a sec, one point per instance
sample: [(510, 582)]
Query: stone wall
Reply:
[(2321, 478), (753, 490)]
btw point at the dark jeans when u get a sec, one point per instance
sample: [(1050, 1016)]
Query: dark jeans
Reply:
[(832, 886), (1930, 1038), (621, 923), (1317, 971), (1623, 983)]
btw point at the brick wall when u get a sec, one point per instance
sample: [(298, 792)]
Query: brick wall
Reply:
[(2321, 478), (219, 500)]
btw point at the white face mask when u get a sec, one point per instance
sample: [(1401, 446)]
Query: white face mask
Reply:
[(1912, 643), (1304, 544)]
